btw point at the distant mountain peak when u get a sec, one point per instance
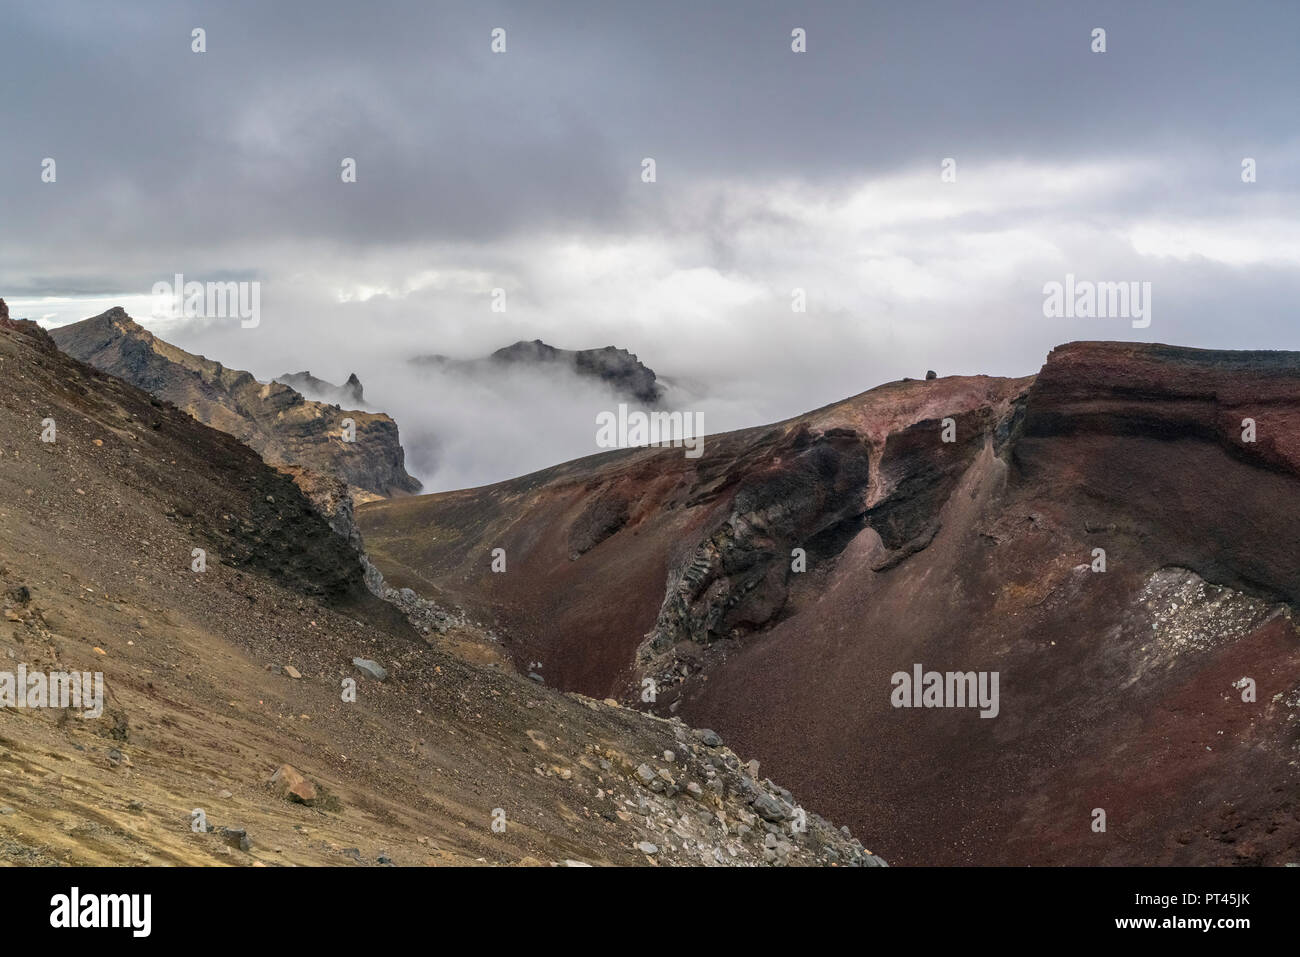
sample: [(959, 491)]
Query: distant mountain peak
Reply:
[(349, 395), (617, 367)]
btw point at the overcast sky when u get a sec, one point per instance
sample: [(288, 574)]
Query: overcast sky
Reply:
[(775, 170)]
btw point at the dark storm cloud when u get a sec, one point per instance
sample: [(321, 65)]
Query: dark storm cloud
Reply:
[(166, 149)]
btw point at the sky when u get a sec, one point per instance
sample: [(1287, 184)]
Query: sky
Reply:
[(775, 171)]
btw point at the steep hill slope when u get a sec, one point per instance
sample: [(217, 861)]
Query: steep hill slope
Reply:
[(272, 418), (215, 679), (1120, 690)]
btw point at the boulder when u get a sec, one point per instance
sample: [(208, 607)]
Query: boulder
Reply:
[(291, 785), (371, 668)]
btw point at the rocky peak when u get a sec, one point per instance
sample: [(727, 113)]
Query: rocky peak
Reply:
[(272, 418), (617, 367), (350, 395)]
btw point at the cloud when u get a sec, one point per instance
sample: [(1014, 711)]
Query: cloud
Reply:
[(776, 172)]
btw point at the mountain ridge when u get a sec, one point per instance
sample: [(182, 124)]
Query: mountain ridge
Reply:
[(274, 419)]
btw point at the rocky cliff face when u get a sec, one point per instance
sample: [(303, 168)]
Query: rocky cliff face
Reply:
[(618, 368), (1192, 451), (1112, 538), (273, 419)]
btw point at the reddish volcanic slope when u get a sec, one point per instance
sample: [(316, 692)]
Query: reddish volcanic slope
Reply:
[(1118, 691)]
